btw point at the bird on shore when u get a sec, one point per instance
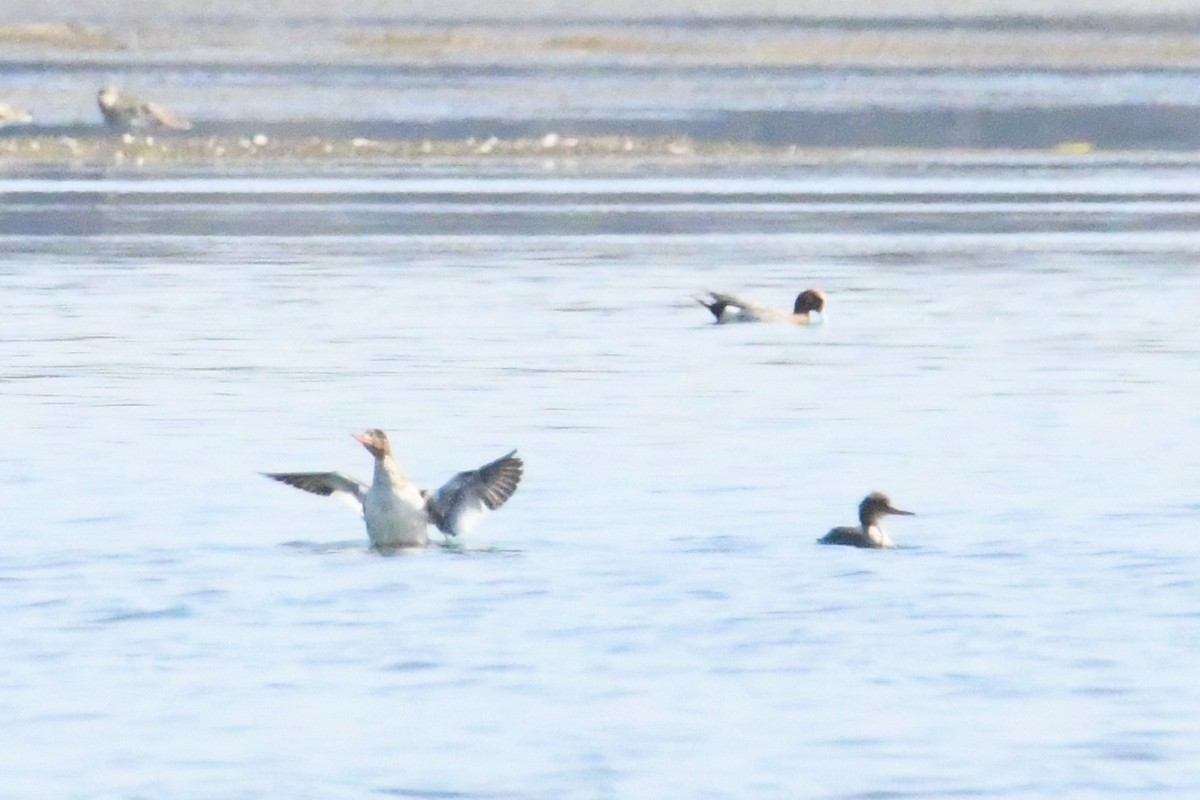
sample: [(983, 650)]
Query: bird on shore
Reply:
[(868, 533), (10, 115), (396, 511), (126, 112), (726, 308)]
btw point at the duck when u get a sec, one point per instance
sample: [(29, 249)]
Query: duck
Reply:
[(396, 511), (726, 308), (868, 532), (126, 112)]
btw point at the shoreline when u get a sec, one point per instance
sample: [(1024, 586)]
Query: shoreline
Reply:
[(215, 44), (771, 135), (22, 10), (148, 155), (383, 81)]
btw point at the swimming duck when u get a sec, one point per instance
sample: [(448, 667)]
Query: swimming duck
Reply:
[(126, 112), (730, 308), (873, 508), (396, 511)]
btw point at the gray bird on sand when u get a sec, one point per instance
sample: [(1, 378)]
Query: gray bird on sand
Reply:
[(126, 112)]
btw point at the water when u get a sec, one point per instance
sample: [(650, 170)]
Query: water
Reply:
[(1011, 353)]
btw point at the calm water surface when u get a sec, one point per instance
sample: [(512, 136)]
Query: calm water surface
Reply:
[(1011, 352)]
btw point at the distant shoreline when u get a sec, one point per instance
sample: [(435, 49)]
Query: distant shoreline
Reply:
[(734, 135), (372, 81), (21, 10), (213, 42), (149, 155)]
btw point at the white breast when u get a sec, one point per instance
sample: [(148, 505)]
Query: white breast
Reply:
[(879, 537), (395, 518)]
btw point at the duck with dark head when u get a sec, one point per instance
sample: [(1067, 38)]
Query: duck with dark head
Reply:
[(868, 533), (808, 309)]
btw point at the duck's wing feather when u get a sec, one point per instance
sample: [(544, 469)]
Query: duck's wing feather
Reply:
[(459, 504), (164, 117), (746, 307), (327, 484), (847, 536)]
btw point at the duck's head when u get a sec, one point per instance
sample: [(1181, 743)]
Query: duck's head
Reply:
[(875, 506), (107, 96), (376, 442), (809, 300)]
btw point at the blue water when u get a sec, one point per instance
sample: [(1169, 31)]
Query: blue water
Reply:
[(1012, 356)]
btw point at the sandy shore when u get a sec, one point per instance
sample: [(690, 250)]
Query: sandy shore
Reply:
[(756, 135), (148, 155), (151, 152), (68, 10), (208, 35)]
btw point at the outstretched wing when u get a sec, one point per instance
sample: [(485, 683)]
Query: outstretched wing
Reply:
[(459, 504), (328, 484)]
